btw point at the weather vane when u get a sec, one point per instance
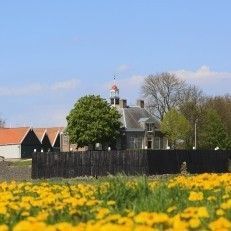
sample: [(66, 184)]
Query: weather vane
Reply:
[(114, 78)]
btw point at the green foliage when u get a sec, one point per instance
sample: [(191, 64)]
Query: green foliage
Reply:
[(92, 121), (136, 194), (175, 126), (213, 133)]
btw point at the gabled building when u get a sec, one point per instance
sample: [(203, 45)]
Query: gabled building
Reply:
[(18, 142), (42, 135), (54, 135), (139, 129)]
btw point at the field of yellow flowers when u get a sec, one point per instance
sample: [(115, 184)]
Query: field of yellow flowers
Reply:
[(200, 202)]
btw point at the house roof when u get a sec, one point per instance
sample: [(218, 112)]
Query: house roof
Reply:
[(40, 133), (133, 117), (53, 133), (13, 135)]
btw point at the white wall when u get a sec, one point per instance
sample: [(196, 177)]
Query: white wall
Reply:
[(10, 151)]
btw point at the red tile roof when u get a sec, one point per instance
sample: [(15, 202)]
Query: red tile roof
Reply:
[(13, 135), (52, 133), (40, 133)]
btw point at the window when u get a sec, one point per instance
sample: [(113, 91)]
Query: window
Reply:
[(135, 142), (156, 142), (149, 127)]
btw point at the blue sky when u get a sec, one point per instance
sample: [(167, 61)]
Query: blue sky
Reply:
[(53, 52)]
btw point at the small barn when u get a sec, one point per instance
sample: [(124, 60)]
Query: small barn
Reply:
[(18, 142), (54, 134), (42, 135)]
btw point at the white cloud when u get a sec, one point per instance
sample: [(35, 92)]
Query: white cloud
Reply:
[(204, 74), (133, 81), (212, 82), (65, 85), (37, 88)]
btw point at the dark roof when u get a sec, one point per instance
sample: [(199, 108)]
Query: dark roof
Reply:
[(132, 118)]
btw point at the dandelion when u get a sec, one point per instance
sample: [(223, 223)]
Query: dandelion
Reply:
[(196, 196)]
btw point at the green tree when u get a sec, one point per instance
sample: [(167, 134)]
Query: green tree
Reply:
[(193, 108), (92, 121), (176, 128), (222, 105), (213, 133)]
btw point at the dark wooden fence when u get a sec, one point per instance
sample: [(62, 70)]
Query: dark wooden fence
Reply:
[(130, 162)]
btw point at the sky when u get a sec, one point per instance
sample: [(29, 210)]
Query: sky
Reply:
[(54, 52)]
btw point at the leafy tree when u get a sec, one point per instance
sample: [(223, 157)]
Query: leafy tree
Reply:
[(193, 109), (176, 127), (222, 105), (213, 133), (92, 121)]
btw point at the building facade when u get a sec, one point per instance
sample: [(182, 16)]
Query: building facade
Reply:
[(139, 129)]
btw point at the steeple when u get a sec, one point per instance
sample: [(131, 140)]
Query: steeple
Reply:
[(114, 94)]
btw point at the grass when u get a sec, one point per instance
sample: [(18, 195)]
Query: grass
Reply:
[(21, 163), (142, 197)]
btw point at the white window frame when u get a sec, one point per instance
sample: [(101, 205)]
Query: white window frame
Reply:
[(149, 127)]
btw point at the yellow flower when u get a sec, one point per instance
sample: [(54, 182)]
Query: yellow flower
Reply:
[(178, 224), (4, 228), (220, 212), (220, 224), (211, 198), (226, 205), (202, 212), (111, 203), (170, 209), (226, 196), (102, 213), (64, 226), (196, 196), (194, 223), (151, 218)]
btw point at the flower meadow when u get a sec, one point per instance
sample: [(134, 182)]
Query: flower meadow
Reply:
[(190, 202)]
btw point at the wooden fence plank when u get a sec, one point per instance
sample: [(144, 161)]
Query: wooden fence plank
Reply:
[(131, 162)]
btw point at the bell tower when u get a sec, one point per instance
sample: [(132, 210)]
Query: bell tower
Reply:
[(114, 95)]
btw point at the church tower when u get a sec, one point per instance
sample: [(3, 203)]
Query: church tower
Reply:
[(114, 95)]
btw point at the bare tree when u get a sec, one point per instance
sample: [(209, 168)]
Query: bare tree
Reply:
[(163, 92), (193, 103)]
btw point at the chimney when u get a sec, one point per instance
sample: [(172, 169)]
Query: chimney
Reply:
[(140, 103), (123, 103)]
